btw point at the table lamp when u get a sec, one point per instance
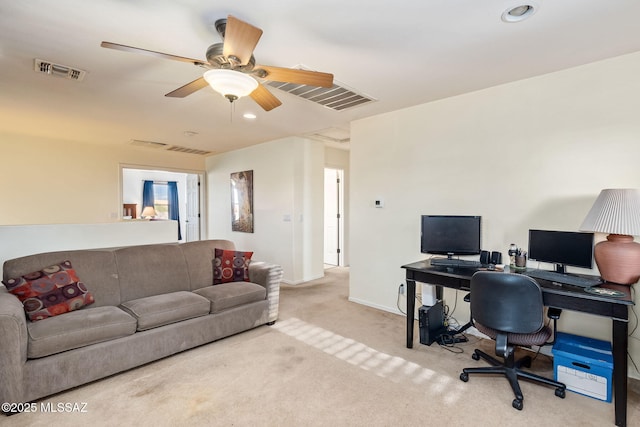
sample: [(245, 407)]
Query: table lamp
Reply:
[(148, 212), (617, 212)]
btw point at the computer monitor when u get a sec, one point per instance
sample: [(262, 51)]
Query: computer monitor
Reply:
[(450, 235), (561, 248)]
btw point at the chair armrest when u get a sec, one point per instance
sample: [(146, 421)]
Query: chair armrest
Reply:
[(269, 276), (554, 313), (13, 347)]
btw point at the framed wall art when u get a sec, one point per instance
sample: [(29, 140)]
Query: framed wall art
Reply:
[(242, 201)]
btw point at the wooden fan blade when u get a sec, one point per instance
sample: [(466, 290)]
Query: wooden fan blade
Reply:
[(189, 88), (125, 48), (290, 75), (264, 98), (240, 39)]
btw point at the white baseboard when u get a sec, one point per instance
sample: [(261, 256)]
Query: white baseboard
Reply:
[(299, 282), (379, 307)]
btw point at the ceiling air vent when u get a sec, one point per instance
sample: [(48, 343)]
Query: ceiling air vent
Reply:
[(338, 97), (167, 147), (58, 70), (188, 150), (147, 144), (336, 135)]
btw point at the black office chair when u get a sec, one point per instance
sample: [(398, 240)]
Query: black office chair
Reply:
[(508, 308)]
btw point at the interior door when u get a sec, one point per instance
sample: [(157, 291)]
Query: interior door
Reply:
[(332, 216), (193, 208)]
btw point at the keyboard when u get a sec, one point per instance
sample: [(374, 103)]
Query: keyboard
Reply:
[(565, 279), (455, 263)]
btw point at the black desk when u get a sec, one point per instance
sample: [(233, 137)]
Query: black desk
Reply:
[(565, 297)]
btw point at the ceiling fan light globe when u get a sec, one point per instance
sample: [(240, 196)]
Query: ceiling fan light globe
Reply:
[(231, 84)]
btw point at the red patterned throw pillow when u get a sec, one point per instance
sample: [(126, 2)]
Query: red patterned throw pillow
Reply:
[(231, 266), (51, 291)]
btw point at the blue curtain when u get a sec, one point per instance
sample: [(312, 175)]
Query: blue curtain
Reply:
[(147, 194), (172, 195)]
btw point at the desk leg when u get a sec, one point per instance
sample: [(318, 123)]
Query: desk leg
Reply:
[(411, 308), (620, 342)]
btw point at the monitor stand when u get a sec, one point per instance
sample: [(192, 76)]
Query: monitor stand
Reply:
[(560, 268)]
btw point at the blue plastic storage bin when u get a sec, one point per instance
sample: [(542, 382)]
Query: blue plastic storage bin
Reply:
[(584, 365)]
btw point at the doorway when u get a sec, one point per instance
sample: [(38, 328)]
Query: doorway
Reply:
[(190, 194), (333, 217)]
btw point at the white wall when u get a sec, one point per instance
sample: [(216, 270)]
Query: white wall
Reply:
[(530, 154), (45, 181), (287, 203), (34, 239)]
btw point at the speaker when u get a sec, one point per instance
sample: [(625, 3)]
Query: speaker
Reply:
[(485, 257), (496, 257)]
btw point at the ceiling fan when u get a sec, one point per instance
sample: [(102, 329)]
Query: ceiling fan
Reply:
[(231, 67)]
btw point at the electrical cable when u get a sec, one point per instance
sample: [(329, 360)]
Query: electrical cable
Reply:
[(455, 304), (398, 300), (633, 297), (632, 361), (450, 320), (540, 346), (448, 343), (633, 330)]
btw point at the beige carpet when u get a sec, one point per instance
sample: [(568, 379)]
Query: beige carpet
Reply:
[(326, 362)]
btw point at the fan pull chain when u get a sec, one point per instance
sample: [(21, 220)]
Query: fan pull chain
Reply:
[(231, 110)]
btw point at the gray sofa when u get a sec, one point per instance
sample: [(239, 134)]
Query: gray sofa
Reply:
[(151, 301)]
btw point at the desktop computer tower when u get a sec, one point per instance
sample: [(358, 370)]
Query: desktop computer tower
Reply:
[(431, 322)]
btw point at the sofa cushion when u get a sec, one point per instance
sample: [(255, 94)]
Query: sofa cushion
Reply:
[(96, 268), (51, 291), (159, 310), (228, 295), (149, 270), (77, 329), (198, 255), (231, 266)]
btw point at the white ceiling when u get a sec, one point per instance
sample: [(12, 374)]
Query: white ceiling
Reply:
[(402, 53)]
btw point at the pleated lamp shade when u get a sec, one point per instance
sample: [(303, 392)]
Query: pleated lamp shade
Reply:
[(617, 212)]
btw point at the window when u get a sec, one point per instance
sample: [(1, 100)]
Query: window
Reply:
[(161, 200)]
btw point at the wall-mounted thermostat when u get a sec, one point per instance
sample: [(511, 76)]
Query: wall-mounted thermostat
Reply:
[(378, 203)]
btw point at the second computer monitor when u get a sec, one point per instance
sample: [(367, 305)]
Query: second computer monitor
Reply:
[(561, 248)]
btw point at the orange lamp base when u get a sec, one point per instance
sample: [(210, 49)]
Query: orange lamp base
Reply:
[(618, 259)]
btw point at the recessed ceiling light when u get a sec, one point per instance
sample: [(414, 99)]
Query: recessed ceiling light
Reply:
[(519, 13), (249, 116), (189, 133)]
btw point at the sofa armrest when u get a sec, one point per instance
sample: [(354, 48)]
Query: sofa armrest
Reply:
[(269, 276), (13, 347)]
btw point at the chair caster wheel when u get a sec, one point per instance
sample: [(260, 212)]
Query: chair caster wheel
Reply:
[(560, 392), (517, 404), (464, 377), (475, 356)]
